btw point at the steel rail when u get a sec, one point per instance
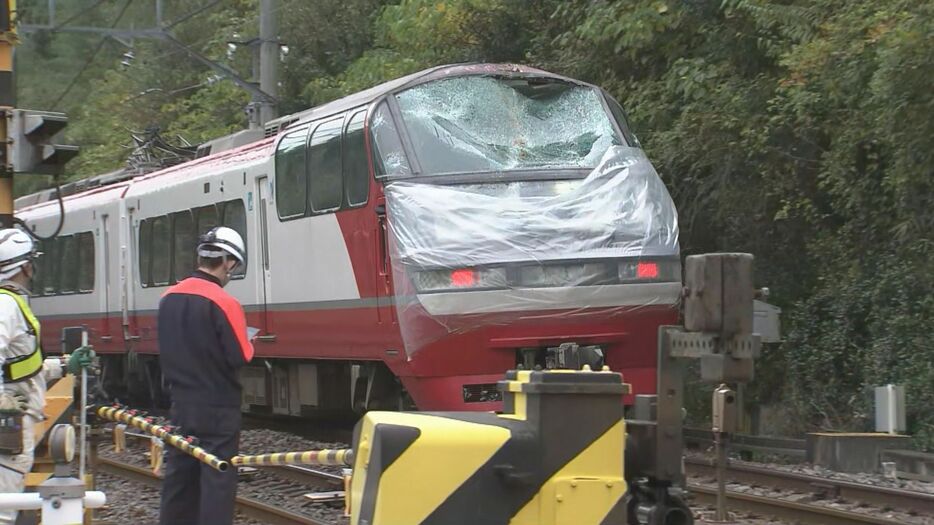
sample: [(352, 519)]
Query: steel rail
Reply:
[(787, 509), (888, 497), (306, 475), (251, 507)]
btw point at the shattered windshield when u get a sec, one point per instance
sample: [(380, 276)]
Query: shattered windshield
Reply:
[(479, 124)]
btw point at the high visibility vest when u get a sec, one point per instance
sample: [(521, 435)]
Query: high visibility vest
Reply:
[(23, 367)]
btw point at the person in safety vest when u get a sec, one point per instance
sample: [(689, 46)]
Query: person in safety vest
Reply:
[(24, 369), (203, 343)]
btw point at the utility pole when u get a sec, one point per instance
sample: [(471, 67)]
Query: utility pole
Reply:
[(7, 102), (268, 58)]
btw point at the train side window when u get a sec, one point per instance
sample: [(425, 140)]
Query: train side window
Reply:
[(356, 182), (68, 264), (86, 262), (161, 251), (51, 266), (38, 279), (291, 182), (325, 187), (205, 219), (185, 241), (388, 154), (235, 217), (620, 115), (145, 252)]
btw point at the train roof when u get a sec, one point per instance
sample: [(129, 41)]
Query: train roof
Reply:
[(205, 165), (427, 75), (238, 158), (251, 150)]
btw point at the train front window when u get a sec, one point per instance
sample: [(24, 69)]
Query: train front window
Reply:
[(483, 124)]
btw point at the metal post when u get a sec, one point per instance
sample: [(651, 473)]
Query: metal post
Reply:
[(269, 57), (723, 417), (7, 102), (721, 476), (84, 413), (159, 13), (255, 111), (668, 410), (893, 419), (347, 473)]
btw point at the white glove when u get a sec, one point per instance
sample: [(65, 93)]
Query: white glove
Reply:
[(11, 401)]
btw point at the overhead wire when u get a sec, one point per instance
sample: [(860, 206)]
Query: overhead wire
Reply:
[(100, 45), (144, 59), (58, 187), (191, 14), (73, 82), (76, 16)]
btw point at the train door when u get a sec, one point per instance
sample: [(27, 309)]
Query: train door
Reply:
[(264, 211), (128, 254), (105, 254), (385, 308)]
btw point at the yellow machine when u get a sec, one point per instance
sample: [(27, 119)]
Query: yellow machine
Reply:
[(553, 457), (58, 404)]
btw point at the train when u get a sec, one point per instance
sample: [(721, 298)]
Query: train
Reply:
[(406, 245)]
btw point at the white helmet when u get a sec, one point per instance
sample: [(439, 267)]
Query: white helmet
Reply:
[(16, 249), (221, 241)]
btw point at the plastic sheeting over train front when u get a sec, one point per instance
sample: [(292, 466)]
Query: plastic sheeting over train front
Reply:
[(468, 255)]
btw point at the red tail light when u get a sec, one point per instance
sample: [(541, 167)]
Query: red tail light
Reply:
[(462, 278), (647, 270)]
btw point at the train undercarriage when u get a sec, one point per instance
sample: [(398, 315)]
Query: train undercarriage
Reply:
[(322, 388), (280, 387)]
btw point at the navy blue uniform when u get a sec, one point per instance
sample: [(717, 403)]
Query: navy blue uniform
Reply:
[(202, 346)]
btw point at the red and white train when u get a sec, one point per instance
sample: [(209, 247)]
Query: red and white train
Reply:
[(356, 311)]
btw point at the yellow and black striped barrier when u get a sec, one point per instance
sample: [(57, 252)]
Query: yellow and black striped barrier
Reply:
[(334, 457), (554, 456), (122, 415)]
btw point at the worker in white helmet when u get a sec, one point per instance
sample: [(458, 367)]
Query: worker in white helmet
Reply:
[(24, 369), (203, 343)]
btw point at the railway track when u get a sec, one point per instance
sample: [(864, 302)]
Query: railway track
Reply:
[(819, 487), (793, 511), (250, 506), (308, 475)]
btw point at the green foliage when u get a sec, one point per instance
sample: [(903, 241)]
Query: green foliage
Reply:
[(416, 34), (870, 332), (799, 131)]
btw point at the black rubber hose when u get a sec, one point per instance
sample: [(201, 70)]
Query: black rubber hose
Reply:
[(61, 218)]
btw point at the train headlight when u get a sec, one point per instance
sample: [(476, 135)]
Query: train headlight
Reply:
[(661, 270), (460, 279)]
